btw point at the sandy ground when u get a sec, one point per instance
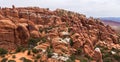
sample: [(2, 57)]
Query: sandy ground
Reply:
[(18, 56)]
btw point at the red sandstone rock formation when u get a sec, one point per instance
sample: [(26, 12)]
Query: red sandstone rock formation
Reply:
[(17, 25)]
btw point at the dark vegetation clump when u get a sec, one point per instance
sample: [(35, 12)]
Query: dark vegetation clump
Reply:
[(33, 42), (71, 42), (38, 56), (25, 60), (3, 51), (20, 49), (11, 61), (35, 51), (49, 52), (4, 60), (107, 56)]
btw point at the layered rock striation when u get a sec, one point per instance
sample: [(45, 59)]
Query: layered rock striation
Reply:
[(66, 31)]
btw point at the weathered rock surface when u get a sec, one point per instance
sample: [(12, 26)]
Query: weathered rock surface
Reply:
[(65, 31)]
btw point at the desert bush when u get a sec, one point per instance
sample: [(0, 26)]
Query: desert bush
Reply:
[(71, 42), (32, 41), (24, 49), (4, 60), (69, 29), (46, 29), (35, 50), (49, 52), (25, 60), (3, 51), (117, 57), (43, 39), (19, 49), (71, 58), (88, 57), (108, 59), (11, 61), (84, 60), (79, 51)]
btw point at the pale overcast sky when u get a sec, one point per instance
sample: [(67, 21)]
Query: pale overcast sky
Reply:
[(95, 8)]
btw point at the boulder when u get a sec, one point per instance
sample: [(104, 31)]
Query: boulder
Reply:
[(7, 33), (22, 34)]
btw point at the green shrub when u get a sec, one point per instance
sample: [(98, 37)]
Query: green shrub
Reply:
[(71, 42), (19, 49), (35, 50), (3, 51), (11, 61), (49, 52), (88, 57), (4, 60), (24, 49), (106, 55), (46, 29), (117, 57), (84, 60), (116, 50), (72, 57), (108, 59), (69, 60), (33, 42), (79, 51), (44, 39), (25, 60)]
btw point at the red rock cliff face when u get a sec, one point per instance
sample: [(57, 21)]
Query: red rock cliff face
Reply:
[(17, 25)]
